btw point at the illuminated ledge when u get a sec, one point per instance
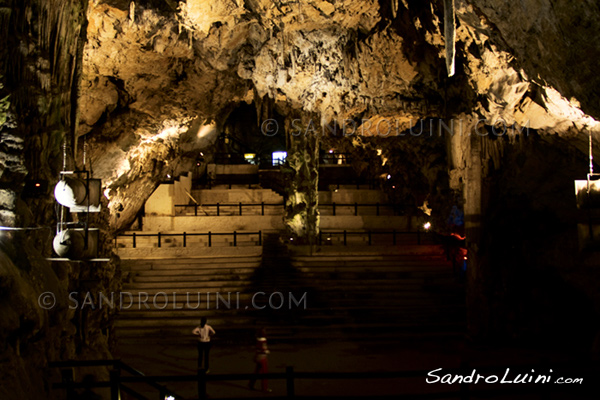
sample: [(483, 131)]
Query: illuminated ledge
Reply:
[(68, 259)]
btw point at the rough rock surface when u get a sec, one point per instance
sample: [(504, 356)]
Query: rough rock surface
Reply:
[(144, 86)]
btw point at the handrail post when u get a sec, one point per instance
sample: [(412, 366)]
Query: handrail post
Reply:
[(218, 210), (196, 209), (289, 372), (234, 239), (115, 383), (134, 240), (240, 208), (159, 239), (344, 237), (67, 379), (201, 384), (184, 240), (333, 208), (262, 208), (464, 387), (355, 209), (209, 239)]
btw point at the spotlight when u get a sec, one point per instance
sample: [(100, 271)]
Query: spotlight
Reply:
[(427, 226), (389, 176), (169, 397)]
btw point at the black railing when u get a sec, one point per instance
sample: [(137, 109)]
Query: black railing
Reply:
[(337, 208), (115, 382), (463, 389), (218, 207), (327, 237), (184, 236)]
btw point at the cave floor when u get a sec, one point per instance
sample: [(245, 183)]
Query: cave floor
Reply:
[(365, 356)]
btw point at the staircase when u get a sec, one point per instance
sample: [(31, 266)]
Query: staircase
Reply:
[(179, 291), (352, 292), (412, 292)]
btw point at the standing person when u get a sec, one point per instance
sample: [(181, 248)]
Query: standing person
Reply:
[(260, 358), (204, 332)]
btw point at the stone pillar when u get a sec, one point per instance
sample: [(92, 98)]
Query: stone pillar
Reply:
[(301, 177), (478, 304), (466, 175)]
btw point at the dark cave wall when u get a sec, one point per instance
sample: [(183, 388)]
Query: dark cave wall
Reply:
[(528, 279), (40, 68)]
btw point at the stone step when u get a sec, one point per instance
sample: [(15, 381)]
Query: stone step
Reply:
[(210, 266), (315, 279), (443, 311), (194, 272), (216, 281), (245, 332)]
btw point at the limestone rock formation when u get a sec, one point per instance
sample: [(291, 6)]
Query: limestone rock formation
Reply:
[(142, 87)]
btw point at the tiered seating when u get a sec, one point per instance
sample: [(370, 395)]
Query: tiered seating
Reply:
[(182, 290), (413, 291), (384, 286)]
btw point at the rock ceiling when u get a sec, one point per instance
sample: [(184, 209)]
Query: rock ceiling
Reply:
[(156, 74)]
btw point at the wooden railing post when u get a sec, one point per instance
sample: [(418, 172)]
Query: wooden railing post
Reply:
[(289, 372), (196, 210), (184, 240), (159, 244), (115, 383), (67, 379), (260, 238), (209, 239), (234, 238), (262, 208), (134, 240), (218, 213), (201, 384), (464, 387), (333, 208), (344, 237), (355, 208), (240, 208)]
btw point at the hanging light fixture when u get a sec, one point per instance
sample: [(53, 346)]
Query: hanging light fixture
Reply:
[(588, 190)]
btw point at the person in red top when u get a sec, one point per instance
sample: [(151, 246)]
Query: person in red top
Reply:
[(204, 332), (260, 358)]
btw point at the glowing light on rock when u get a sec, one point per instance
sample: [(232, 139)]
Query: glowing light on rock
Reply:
[(206, 130), (427, 226)]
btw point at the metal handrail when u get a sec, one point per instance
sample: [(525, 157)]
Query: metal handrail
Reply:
[(116, 380), (463, 390), (369, 234), (262, 205), (185, 235)]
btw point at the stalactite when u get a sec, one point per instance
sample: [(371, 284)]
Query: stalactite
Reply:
[(394, 8), (450, 35)]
